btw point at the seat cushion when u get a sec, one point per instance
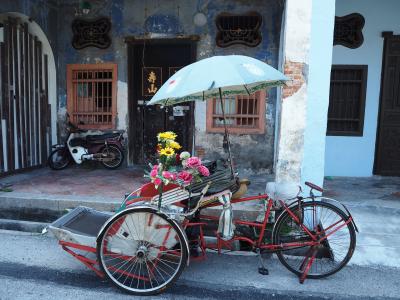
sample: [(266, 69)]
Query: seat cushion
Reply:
[(101, 137)]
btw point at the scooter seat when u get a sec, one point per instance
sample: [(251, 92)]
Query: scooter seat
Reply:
[(102, 137)]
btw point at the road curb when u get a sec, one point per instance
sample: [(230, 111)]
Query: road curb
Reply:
[(59, 204), (24, 226)]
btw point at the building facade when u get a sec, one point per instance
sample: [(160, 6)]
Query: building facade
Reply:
[(145, 37), (101, 61)]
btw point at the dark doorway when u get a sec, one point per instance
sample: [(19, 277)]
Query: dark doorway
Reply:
[(387, 160), (150, 64)]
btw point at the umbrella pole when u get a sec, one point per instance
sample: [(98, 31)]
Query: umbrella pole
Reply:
[(226, 132)]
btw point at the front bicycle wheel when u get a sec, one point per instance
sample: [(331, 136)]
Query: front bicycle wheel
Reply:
[(142, 251), (328, 223)]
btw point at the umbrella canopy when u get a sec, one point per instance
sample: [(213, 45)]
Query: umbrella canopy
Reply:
[(205, 79)]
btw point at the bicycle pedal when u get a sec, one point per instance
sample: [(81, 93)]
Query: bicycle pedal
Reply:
[(263, 271)]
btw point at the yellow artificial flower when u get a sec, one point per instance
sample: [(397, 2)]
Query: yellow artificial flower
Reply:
[(168, 151), (168, 135), (174, 145)]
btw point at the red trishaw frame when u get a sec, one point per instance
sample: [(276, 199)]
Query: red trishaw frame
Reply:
[(221, 244)]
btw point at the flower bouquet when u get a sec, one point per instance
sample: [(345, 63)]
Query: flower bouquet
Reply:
[(174, 167)]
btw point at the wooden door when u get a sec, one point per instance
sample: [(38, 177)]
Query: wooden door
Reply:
[(387, 161), (150, 64), (25, 137)]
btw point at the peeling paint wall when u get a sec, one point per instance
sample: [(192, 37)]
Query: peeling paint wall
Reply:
[(307, 53), (253, 153), (163, 19), (292, 123), (168, 19)]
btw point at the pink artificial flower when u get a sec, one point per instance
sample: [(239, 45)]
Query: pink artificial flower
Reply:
[(157, 181), (155, 167), (168, 175), (154, 172), (203, 170), (193, 162), (185, 176)]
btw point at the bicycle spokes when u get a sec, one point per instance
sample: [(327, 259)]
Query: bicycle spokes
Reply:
[(141, 252), (317, 246)]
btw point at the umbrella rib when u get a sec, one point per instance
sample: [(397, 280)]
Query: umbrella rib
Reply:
[(247, 90)]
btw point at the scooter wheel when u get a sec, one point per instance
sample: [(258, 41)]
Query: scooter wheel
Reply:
[(59, 159), (118, 156)]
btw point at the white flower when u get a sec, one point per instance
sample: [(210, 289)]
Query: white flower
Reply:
[(184, 155), (184, 163)]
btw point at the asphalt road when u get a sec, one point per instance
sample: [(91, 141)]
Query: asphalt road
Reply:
[(35, 267)]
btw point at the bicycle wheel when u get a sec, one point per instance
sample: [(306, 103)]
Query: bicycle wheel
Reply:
[(142, 251), (320, 218)]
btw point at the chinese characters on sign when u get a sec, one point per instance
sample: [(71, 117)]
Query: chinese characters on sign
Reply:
[(151, 80)]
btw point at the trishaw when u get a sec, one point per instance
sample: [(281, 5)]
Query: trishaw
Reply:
[(159, 228)]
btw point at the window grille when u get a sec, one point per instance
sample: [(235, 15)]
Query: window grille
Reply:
[(92, 95), (243, 114), (238, 29), (347, 100), (348, 31)]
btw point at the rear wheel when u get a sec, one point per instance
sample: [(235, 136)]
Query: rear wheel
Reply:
[(325, 220), (142, 252), (59, 159), (114, 154)]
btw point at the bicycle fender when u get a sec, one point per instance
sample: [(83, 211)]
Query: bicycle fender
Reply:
[(331, 201), (339, 205)]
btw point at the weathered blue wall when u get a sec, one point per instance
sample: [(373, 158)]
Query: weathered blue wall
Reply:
[(162, 19)]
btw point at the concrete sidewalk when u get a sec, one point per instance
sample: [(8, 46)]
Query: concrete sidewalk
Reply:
[(373, 201)]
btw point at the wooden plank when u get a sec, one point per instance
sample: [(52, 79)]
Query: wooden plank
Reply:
[(27, 140), (2, 97), (31, 101), (17, 104), (37, 101), (10, 95), (22, 95), (42, 107), (48, 108)]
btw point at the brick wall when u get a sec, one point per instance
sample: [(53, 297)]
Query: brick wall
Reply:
[(295, 71)]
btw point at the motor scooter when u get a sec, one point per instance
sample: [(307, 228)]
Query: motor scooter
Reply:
[(82, 145)]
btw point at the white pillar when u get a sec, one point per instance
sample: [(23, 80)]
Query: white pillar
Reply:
[(307, 54), (322, 27)]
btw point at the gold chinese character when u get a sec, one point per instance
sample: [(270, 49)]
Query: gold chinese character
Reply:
[(152, 79)]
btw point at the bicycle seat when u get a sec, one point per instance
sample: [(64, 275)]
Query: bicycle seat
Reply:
[(314, 186)]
